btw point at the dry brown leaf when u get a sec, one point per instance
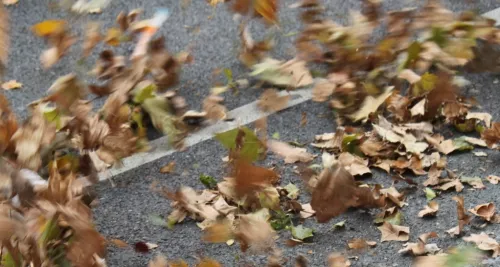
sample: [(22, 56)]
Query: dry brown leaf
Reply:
[(10, 2), (354, 164), (484, 242), (420, 248), (394, 232), (92, 38), (289, 153), (482, 116), (254, 232), (119, 243), (307, 211), (219, 232), (485, 211), (409, 75), (452, 184), (214, 109), (419, 108), (12, 84), (433, 176), (491, 135), (298, 71), (463, 217), (335, 185), (250, 178), (270, 100), (493, 179), (322, 90), (358, 243), (338, 260), (429, 210), (168, 168), (370, 104)]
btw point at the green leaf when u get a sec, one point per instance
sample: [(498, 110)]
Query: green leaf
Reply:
[(339, 225), (50, 231), (464, 256), (269, 198), (143, 91), (252, 147), (157, 220), (270, 71), (159, 110), (426, 84), (395, 219), (229, 75), (300, 232), (208, 181), (350, 143), (461, 145), (429, 194), (413, 53), (280, 220), (276, 136), (51, 114), (8, 260), (438, 36), (293, 191)]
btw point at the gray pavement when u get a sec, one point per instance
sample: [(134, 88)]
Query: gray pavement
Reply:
[(123, 210)]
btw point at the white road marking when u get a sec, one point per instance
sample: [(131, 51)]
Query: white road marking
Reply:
[(242, 115), (493, 14)]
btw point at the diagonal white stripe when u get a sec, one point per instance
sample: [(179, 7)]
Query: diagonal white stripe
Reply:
[(242, 115)]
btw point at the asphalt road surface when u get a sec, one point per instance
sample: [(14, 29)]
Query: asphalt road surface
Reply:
[(124, 210)]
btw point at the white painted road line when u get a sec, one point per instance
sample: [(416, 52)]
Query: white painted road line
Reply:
[(493, 14), (242, 115)]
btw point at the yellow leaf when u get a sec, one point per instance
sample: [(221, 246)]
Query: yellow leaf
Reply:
[(48, 27), (267, 9), (12, 84), (113, 36), (10, 2)]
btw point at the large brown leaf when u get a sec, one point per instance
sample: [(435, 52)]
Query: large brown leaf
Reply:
[(250, 178), (336, 191)]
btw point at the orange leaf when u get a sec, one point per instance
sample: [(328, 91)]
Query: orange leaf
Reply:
[(119, 243), (48, 27), (267, 9)]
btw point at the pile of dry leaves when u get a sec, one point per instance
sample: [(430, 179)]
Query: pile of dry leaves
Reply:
[(392, 97)]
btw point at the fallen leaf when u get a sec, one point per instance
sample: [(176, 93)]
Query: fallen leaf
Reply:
[(250, 178), (493, 179), (394, 232), (119, 243), (486, 117), (300, 232), (292, 190), (429, 194), (338, 225), (409, 75), (48, 27), (337, 260), (479, 154), (289, 153), (485, 211), (475, 182), (219, 232), (255, 233), (370, 105), (354, 164), (430, 210), (267, 9), (10, 2), (336, 185), (168, 168), (322, 90), (12, 84), (421, 247), (463, 217), (306, 211), (452, 184), (419, 108), (144, 247), (241, 141), (358, 243), (484, 242)]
